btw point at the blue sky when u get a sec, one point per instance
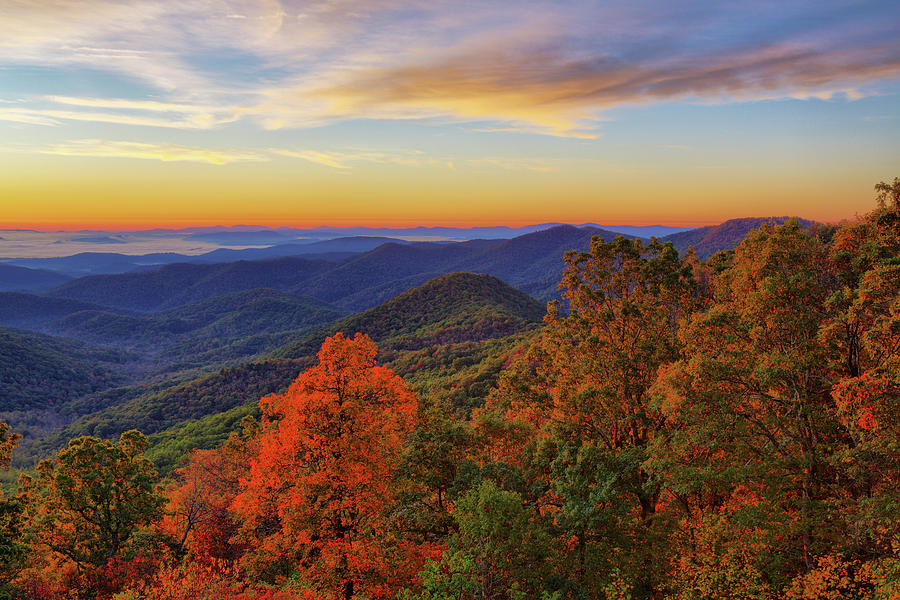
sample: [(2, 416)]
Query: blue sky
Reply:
[(583, 111)]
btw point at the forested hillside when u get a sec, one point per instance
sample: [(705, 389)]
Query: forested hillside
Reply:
[(182, 283), (675, 428), (454, 330), (32, 311), (20, 278), (38, 371), (204, 331), (458, 307), (706, 241)]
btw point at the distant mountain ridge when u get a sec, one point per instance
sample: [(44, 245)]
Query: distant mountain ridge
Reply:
[(32, 311), (16, 278), (529, 262), (334, 244), (111, 263), (253, 242), (532, 262), (468, 316), (709, 240), (182, 283)]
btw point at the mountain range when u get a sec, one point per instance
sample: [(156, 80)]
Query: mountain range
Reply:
[(459, 326), (182, 350), (45, 273)]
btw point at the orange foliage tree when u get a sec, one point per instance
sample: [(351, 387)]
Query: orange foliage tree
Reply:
[(316, 493), (583, 390), (782, 410), (201, 495), (754, 388), (863, 337)]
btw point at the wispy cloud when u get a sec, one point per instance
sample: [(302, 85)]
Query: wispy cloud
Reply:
[(508, 66), (128, 104), (561, 95), (163, 152), (51, 116), (537, 164), (51, 110), (347, 159), (335, 161), (30, 118)]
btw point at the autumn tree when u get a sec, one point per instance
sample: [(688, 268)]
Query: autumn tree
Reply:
[(201, 494), (87, 504), (762, 457), (584, 389), (12, 551), (863, 338), (316, 492), (888, 194), (497, 554)]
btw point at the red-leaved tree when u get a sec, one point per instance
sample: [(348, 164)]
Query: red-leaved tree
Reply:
[(315, 496)]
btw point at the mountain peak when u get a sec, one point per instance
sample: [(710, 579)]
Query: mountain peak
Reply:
[(706, 241), (451, 308)]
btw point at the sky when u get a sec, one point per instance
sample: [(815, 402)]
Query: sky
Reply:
[(119, 114)]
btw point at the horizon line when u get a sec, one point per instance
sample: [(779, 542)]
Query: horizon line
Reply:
[(140, 228)]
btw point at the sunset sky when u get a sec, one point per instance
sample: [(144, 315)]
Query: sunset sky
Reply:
[(118, 114)]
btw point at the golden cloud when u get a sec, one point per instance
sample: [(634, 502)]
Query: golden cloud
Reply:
[(503, 66), (549, 92), (163, 152)]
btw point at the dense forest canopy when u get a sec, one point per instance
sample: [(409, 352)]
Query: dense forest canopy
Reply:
[(679, 428)]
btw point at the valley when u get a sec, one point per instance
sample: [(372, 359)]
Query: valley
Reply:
[(157, 348), (436, 397)]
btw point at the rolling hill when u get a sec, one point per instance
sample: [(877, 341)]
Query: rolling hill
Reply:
[(383, 265), (182, 283), (534, 262), (32, 311), (709, 240), (460, 325), (459, 307), (527, 262), (14, 278), (39, 371), (222, 328)]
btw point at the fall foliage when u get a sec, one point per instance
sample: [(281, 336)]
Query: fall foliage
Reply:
[(315, 493), (677, 429)]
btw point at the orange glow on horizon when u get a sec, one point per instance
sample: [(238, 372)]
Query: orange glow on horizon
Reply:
[(86, 193), (136, 226)]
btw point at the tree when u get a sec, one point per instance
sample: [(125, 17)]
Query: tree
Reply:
[(754, 383), (768, 449), (12, 551), (202, 492), (497, 554), (585, 391), (432, 474), (863, 338), (316, 493), (888, 194), (87, 504)]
